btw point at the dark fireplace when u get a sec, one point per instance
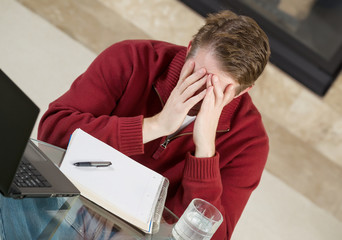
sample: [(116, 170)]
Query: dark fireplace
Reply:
[(305, 35)]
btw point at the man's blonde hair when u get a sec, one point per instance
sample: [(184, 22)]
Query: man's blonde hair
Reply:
[(239, 44)]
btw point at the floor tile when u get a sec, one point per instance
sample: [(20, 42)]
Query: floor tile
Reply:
[(87, 21), (276, 212)]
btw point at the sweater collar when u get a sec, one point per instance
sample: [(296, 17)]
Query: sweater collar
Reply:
[(166, 83)]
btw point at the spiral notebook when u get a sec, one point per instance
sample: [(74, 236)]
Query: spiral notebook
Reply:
[(126, 188)]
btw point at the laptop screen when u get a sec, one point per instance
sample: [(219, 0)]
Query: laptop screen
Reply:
[(18, 115)]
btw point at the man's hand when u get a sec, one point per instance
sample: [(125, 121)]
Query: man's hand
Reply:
[(183, 97), (207, 119)]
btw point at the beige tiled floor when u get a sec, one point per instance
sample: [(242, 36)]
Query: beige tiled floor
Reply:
[(46, 44)]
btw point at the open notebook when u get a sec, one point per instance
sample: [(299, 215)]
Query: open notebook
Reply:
[(128, 189)]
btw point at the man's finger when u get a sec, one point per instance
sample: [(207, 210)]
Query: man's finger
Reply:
[(208, 100), (187, 70), (195, 99), (193, 78), (194, 87), (209, 80), (217, 88)]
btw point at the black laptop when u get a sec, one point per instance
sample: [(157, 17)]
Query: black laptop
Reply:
[(25, 171)]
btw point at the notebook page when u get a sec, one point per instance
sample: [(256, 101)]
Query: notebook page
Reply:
[(127, 186)]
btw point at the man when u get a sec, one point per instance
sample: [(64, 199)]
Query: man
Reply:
[(183, 112)]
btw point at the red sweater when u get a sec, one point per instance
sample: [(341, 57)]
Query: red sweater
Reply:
[(132, 80)]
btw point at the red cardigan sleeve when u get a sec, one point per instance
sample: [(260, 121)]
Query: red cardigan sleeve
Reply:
[(89, 104), (227, 179)]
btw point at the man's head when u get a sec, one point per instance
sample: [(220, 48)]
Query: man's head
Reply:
[(237, 43)]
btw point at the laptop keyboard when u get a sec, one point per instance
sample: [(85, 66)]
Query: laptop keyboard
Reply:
[(28, 176)]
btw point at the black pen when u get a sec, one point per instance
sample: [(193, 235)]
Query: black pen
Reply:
[(93, 164)]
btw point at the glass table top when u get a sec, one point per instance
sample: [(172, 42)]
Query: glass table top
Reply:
[(69, 218)]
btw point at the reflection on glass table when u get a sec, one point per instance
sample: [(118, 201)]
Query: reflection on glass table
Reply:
[(69, 218)]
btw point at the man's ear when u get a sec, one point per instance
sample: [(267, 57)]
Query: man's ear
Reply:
[(189, 48), (244, 91)]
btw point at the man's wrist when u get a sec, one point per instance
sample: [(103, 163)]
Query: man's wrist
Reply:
[(205, 152), (152, 129)]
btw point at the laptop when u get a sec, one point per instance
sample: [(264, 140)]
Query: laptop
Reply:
[(25, 171)]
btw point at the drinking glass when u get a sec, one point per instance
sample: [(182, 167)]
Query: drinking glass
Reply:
[(199, 221)]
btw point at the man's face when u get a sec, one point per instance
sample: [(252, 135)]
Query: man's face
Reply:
[(204, 58)]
